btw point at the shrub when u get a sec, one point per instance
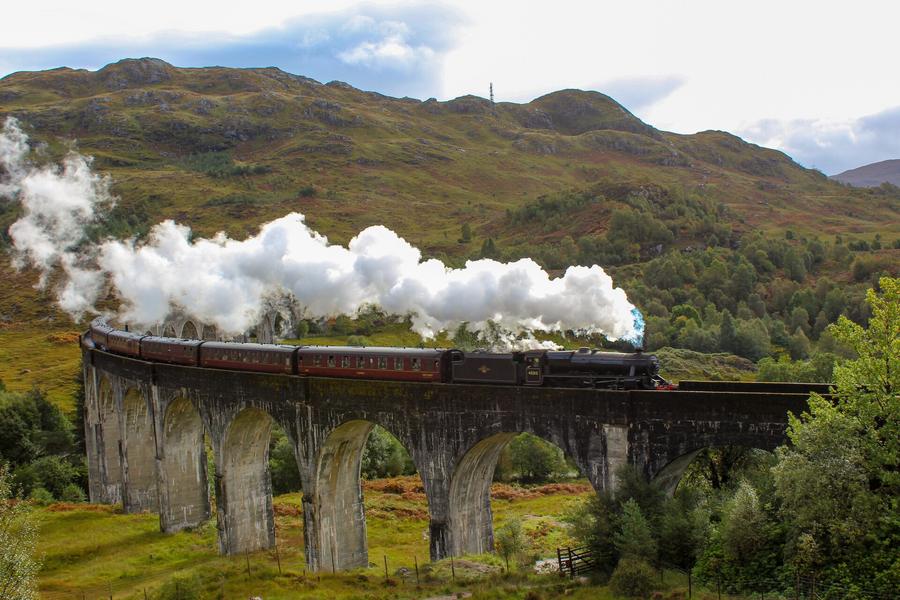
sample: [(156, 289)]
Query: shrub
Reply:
[(632, 578), (357, 340), (72, 493), (283, 464), (509, 540), (41, 496), (180, 588), (534, 460), (53, 473)]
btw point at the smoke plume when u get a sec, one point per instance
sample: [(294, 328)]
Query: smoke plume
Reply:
[(57, 203), (228, 283)]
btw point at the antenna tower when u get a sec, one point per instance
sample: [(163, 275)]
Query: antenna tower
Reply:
[(492, 92)]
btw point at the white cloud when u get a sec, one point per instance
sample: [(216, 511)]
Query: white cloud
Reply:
[(833, 146), (392, 50)]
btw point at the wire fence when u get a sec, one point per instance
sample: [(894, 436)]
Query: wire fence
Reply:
[(259, 566), (267, 565)]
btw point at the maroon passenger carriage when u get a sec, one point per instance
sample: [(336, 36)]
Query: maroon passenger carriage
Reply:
[(405, 364), (268, 358), (171, 350)]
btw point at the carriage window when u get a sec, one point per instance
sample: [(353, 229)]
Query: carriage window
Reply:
[(331, 360), (317, 360), (416, 364), (345, 361), (437, 365), (382, 362), (398, 364), (360, 362)]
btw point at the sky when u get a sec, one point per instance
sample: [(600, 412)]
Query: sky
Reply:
[(817, 80)]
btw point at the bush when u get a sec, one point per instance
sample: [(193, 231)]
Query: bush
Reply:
[(384, 456), (52, 473), (181, 588), (632, 579), (72, 493), (534, 460), (509, 540), (283, 464), (41, 496)]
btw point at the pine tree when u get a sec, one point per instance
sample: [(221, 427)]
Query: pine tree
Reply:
[(799, 345), (465, 234), (488, 249), (727, 333), (634, 538)]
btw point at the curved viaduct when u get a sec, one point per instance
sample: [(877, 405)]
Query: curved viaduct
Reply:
[(145, 424)]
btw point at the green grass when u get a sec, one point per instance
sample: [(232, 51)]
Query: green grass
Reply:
[(48, 359), (680, 363), (89, 547), (95, 550)]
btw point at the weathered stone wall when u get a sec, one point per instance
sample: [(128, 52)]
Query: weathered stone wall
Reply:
[(454, 434)]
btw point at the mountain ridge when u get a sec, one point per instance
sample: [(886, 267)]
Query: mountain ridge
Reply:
[(873, 174), (142, 119)]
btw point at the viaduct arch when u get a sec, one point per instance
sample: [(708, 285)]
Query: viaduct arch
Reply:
[(453, 433)]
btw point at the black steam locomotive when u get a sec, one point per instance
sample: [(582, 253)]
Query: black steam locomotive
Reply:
[(581, 368)]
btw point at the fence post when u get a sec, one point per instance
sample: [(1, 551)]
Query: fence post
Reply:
[(416, 561), (277, 556), (452, 569), (333, 567), (690, 589), (385, 568), (571, 565)]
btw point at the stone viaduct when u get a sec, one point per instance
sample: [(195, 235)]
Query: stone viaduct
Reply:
[(181, 325), (146, 424)]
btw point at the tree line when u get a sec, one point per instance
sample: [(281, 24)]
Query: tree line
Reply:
[(824, 506)]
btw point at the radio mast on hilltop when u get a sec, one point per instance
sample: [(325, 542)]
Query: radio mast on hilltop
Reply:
[(492, 93)]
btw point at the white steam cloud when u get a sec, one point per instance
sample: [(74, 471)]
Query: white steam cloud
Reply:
[(58, 202), (229, 283)]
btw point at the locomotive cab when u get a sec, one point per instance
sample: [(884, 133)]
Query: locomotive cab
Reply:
[(533, 363)]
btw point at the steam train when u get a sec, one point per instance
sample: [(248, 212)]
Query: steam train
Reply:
[(581, 368)]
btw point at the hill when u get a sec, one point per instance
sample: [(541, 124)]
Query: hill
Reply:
[(875, 174), (706, 220), (219, 147)]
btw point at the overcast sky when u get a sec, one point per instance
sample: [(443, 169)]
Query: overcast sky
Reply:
[(817, 79)]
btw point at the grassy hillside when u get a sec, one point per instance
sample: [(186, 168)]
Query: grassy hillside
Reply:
[(568, 177), (128, 554)]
